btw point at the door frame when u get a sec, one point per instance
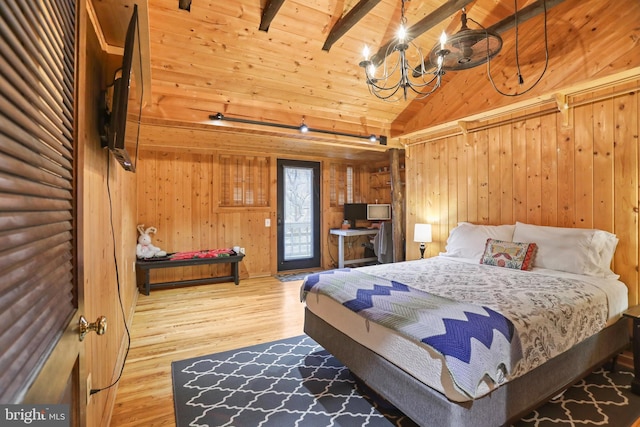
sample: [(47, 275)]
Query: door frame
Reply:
[(315, 261)]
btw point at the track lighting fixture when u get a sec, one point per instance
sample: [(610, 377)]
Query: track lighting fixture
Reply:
[(303, 128)]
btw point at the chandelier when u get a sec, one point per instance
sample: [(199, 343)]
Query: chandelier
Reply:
[(395, 77)]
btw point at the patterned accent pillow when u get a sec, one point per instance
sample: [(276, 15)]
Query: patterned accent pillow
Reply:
[(509, 254)]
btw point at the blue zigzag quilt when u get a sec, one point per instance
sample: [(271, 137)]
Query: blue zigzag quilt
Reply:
[(475, 340)]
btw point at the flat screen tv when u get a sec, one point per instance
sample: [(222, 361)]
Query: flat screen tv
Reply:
[(379, 212), (124, 121)]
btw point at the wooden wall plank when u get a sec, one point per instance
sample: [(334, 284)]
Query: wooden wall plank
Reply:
[(419, 185), (461, 178), (625, 130), (549, 170), (603, 164), (472, 178), (533, 170), (482, 156), (566, 175), (507, 214), (584, 166), (519, 171), (443, 193), (453, 197), (440, 227), (495, 181)]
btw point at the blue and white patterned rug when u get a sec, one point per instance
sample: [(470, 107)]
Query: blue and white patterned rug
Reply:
[(295, 382), (290, 277)]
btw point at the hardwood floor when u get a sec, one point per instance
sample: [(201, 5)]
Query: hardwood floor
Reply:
[(176, 324)]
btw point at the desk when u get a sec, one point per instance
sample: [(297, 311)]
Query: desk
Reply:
[(349, 233), (143, 267)]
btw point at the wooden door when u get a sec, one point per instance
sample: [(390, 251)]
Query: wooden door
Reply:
[(40, 294)]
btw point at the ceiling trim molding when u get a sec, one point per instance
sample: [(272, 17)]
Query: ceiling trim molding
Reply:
[(555, 102)]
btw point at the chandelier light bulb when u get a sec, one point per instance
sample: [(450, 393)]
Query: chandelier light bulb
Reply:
[(443, 40), (402, 34), (371, 69), (366, 52)]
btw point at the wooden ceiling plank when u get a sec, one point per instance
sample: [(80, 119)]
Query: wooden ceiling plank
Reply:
[(165, 105), (270, 10), (525, 14), (349, 20), (422, 26), (565, 67), (193, 112)]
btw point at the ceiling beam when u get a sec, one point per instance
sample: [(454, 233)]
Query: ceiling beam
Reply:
[(270, 10), (422, 26), (185, 5), (534, 9), (345, 23)]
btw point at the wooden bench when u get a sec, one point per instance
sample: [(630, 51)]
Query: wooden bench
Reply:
[(143, 268)]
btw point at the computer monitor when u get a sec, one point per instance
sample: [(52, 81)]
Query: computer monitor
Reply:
[(354, 212)]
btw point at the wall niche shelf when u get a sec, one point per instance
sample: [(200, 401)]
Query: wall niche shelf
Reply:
[(380, 183)]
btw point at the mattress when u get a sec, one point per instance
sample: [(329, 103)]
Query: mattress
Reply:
[(420, 360)]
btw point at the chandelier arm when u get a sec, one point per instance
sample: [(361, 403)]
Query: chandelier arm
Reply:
[(378, 92), (423, 95), (385, 70), (546, 60), (425, 83), (436, 75)]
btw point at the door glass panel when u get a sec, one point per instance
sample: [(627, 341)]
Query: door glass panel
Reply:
[(298, 213)]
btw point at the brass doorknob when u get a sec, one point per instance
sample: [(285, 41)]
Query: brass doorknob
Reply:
[(99, 326)]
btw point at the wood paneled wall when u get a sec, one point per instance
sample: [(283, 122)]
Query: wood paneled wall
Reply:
[(576, 169), (108, 211), (179, 194)]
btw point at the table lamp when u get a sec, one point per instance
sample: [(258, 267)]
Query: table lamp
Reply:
[(422, 234)]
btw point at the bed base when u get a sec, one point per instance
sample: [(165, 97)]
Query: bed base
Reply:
[(501, 407)]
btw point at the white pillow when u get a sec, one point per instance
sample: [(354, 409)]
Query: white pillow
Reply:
[(575, 250), (468, 240)]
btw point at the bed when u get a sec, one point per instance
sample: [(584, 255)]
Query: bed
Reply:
[(506, 318)]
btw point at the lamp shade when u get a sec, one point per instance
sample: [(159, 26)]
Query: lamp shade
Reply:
[(422, 233)]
